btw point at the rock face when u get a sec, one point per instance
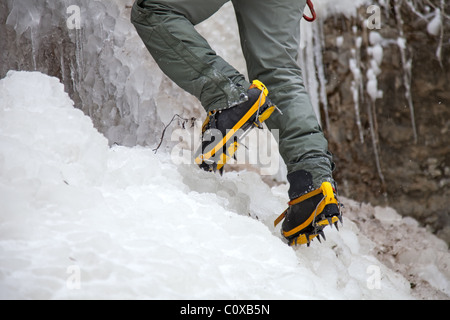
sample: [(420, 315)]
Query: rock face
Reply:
[(388, 112), (378, 77)]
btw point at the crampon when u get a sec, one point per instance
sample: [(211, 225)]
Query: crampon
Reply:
[(223, 130), (301, 226)]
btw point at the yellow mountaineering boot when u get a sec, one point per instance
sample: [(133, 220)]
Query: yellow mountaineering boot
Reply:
[(309, 214), (223, 130)]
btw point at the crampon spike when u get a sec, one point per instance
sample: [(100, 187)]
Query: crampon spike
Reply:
[(323, 235), (330, 222)]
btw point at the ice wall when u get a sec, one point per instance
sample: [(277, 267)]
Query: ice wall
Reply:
[(106, 68), (104, 64), (101, 61)]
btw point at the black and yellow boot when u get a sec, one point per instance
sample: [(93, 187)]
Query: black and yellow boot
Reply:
[(223, 130), (309, 213)]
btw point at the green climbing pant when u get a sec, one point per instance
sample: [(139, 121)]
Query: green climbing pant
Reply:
[(270, 37)]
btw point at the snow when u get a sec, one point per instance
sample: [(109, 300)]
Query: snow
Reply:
[(80, 219)]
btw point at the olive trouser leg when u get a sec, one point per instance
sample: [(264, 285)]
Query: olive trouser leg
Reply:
[(270, 35), (167, 29), (270, 39)]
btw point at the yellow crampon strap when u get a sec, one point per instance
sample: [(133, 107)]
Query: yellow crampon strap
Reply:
[(226, 156), (231, 133), (206, 122), (258, 84), (328, 193), (280, 218)]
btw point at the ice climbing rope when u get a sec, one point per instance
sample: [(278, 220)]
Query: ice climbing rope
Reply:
[(313, 12)]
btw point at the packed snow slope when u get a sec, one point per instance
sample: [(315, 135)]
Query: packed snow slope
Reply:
[(79, 219)]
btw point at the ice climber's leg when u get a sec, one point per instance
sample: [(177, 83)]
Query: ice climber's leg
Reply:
[(167, 29), (270, 37), (233, 105)]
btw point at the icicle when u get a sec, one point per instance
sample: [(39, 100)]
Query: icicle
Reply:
[(61, 61), (372, 90), (441, 36), (34, 47), (311, 60), (79, 54), (407, 67), (357, 83), (355, 90), (318, 45), (307, 62), (375, 142)]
